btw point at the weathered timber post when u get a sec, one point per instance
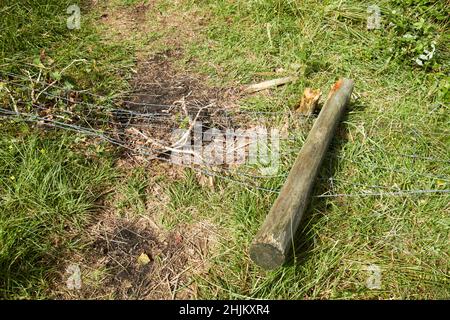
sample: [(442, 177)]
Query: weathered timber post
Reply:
[(273, 241)]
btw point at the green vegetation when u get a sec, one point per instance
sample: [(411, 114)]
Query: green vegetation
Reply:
[(48, 191), (49, 184), (35, 37), (28, 25), (395, 137), (402, 110)]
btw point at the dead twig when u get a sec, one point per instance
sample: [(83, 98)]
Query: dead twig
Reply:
[(269, 84), (16, 110), (175, 147), (56, 80)]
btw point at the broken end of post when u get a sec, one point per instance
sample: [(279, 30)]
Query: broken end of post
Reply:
[(266, 255), (342, 82)]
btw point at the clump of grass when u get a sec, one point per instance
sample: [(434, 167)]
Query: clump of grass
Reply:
[(132, 193), (28, 25), (36, 38), (47, 193)]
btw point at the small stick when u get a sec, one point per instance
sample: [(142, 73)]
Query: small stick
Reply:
[(268, 84), (55, 81), (16, 110), (271, 245), (269, 35)]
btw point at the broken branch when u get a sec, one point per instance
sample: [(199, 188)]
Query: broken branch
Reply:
[(268, 84)]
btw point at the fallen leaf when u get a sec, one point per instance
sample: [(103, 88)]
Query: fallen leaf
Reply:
[(143, 259), (440, 183)]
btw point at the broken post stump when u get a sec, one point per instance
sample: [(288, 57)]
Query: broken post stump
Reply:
[(309, 101), (273, 241)]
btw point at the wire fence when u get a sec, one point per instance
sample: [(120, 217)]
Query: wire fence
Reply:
[(108, 118)]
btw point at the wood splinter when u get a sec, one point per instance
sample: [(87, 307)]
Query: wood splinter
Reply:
[(272, 243), (309, 101)]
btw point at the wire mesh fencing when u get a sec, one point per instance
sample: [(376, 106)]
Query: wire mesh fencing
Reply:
[(180, 132)]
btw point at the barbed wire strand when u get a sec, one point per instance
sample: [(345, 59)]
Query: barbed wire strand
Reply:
[(206, 172), (78, 128)]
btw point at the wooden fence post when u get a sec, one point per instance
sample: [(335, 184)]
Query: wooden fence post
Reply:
[(273, 241)]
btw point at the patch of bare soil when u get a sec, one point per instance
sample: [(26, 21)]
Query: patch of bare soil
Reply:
[(164, 99), (134, 258), (124, 22), (138, 260), (164, 96), (145, 18)]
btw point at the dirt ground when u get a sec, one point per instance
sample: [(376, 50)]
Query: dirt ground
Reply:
[(136, 259), (133, 257)]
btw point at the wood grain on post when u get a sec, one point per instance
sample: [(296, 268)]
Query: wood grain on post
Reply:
[(273, 241)]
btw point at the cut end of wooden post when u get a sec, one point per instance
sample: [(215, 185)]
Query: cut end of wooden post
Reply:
[(266, 255)]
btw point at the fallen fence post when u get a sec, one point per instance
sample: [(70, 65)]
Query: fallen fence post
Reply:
[(274, 239)]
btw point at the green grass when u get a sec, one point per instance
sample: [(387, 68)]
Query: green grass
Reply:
[(50, 183), (48, 191), (28, 24), (402, 109), (132, 193), (31, 28)]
